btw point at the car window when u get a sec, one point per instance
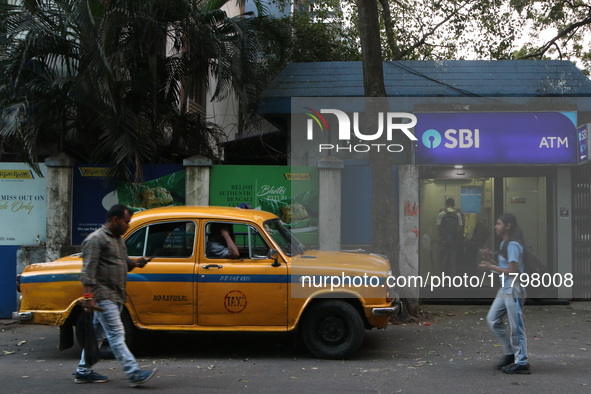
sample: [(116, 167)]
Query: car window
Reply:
[(258, 248), (173, 239), (136, 242), (284, 238), (248, 240)]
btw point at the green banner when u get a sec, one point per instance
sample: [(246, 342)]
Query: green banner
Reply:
[(291, 193)]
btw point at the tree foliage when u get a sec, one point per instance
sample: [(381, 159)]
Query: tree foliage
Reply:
[(435, 29), (414, 29), (450, 29), (567, 25), (321, 35), (107, 81), (314, 32)]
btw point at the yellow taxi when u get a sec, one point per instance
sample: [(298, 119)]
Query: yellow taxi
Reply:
[(274, 285)]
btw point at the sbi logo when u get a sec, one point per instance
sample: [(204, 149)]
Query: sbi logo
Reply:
[(431, 138), (462, 138)]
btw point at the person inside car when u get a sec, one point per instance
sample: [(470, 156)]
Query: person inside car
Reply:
[(220, 243)]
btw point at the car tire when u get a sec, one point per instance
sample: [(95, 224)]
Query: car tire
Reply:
[(333, 329)]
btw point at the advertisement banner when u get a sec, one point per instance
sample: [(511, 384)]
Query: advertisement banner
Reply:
[(23, 205), (23, 202), (95, 193), (291, 193)]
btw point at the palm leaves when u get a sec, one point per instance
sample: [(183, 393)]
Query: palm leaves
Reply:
[(103, 80)]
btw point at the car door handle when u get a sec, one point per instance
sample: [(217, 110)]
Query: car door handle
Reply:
[(208, 266)]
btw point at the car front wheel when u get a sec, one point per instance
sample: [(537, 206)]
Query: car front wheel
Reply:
[(333, 329)]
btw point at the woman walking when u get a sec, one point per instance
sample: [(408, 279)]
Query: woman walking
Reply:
[(510, 297)]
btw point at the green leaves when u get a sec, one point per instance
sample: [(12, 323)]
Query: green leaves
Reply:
[(110, 81), (558, 30), (454, 29)]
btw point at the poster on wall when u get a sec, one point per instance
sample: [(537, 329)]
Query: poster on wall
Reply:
[(23, 202), (471, 199), (291, 193), (94, 194)]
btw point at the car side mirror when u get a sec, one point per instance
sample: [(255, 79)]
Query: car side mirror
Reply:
[(274, 255)]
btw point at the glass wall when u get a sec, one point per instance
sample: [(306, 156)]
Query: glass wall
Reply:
[(477, 209), (525, 197)]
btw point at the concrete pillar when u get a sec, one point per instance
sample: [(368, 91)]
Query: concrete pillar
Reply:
[(408, 220), (59, 204), (198, 169), (564, 229), (329, 204)]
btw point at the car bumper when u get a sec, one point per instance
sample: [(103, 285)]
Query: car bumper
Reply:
[(22, 316), (395, 309)]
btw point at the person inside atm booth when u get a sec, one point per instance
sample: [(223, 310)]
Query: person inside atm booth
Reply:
[(450, 226), (220, 243)]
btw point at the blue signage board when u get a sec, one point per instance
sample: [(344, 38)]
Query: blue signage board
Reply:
[(471, 199), (8, 280), (164, 185), (496, 138), (583, 137)]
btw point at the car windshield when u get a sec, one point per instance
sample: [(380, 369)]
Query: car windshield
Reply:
[(284, 238)]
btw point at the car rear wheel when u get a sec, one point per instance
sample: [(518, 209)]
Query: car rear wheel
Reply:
[(333, 329)]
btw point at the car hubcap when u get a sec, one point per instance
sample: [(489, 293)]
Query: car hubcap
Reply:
[(332, 329)]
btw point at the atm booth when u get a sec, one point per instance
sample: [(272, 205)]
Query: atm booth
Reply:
[(495, 162)]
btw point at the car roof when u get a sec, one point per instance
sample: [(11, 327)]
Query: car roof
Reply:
[(202, 212)]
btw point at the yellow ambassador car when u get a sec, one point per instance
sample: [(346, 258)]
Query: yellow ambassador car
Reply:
[(276, 284)]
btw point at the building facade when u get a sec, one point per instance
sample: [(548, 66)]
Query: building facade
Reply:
[(494, 136)]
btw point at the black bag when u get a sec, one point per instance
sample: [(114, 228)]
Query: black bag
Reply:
[(449, 227), (532, 263), (87, 338)]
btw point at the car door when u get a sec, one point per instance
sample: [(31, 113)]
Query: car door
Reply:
[(163, 292), (248, 291)]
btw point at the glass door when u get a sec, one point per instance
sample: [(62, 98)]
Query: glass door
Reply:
[(456, 221), (525, 197), (478, 202)]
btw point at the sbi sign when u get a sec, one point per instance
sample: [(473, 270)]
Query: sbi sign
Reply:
[(462, 138), (496, 138)]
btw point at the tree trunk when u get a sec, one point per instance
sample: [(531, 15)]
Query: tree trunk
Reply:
[(384, 206), (371, 50), (389, 29)]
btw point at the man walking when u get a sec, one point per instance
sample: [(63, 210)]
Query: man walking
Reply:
[(104, 276)]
